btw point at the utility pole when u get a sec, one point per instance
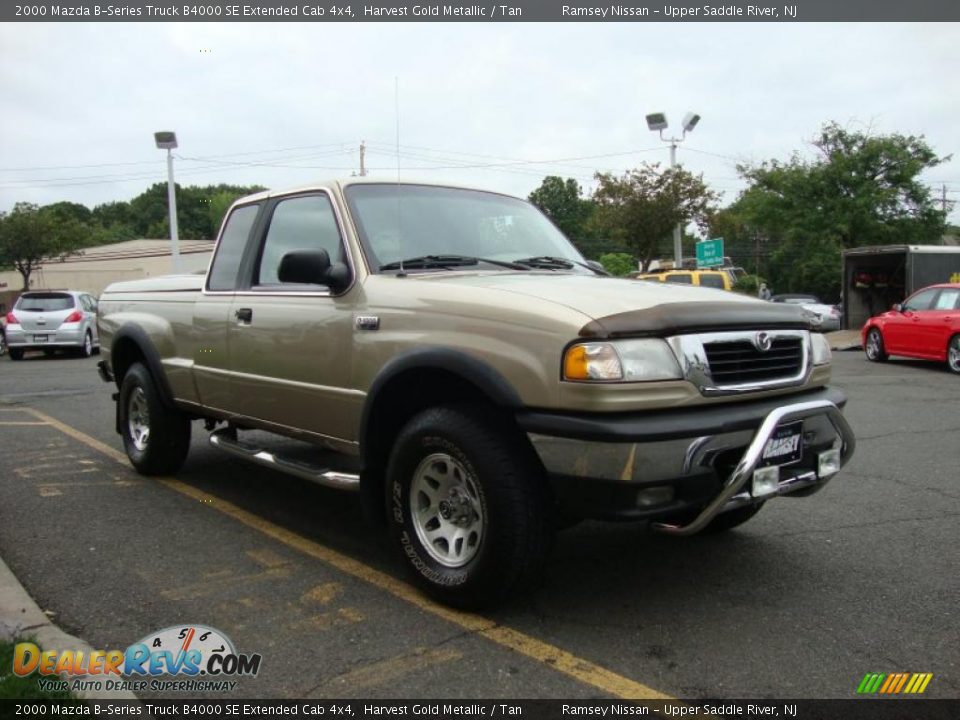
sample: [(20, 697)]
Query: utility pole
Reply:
[(657, 122), (167, 140), (943, 197), (677, 241), (363, 156)]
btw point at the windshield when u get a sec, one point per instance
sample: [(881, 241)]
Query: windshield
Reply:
[(47, 302), (400, 222)]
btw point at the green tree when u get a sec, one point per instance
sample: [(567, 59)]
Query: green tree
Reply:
[(618, 264), (29, 235), (859, 189), (562, 201), (641, 208)]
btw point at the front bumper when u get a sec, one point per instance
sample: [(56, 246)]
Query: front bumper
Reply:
[(683, 467)]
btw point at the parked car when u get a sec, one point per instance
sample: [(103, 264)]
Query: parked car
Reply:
[(49, 320), (823, 317), (926, 326), (719, 279)]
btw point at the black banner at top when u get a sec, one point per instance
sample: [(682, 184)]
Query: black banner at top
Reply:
[(637, 11)]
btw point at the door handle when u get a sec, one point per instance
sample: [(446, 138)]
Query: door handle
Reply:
[(244, 315)]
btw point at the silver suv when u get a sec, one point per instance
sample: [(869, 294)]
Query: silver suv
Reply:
[(52, 319)]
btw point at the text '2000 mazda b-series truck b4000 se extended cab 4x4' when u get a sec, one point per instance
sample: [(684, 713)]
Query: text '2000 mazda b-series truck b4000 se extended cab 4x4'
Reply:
[(452, 357)]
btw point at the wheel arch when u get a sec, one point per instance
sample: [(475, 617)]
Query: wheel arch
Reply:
[(131, 344), (412, 382)]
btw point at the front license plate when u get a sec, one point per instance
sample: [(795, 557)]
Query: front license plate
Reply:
[(41, 338), (785, 446)]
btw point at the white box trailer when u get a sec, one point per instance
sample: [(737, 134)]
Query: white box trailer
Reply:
[(874, 278)]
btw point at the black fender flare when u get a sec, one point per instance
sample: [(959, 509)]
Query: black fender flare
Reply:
[(471, 369), (138, 336)]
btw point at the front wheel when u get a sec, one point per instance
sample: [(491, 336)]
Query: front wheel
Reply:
[(953, 354), (874, 346), (468, 507), (156, 437)]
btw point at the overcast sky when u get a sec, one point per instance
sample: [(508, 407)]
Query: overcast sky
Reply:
[(280, 104)]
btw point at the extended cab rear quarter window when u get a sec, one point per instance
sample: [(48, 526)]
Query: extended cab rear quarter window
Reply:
[(233, 242)]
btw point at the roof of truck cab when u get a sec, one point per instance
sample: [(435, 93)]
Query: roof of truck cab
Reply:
[(346, 182)]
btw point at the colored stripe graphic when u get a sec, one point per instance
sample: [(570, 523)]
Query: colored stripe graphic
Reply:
[(894, 683)]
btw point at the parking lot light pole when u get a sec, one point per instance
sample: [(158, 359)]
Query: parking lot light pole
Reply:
[(167, 140), (657, 122)]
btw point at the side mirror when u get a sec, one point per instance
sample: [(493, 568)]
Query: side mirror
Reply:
[(897, 307), (312, 267)]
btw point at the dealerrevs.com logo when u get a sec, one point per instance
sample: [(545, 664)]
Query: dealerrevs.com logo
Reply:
[(181, 658)]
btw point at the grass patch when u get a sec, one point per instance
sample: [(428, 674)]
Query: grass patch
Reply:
[(14, 687)]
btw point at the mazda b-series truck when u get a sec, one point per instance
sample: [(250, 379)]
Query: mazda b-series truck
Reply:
[(478, 382)]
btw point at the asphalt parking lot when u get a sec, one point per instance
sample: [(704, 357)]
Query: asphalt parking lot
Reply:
[(800, 602)]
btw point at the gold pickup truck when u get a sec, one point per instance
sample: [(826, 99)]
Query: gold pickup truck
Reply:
[(474, 378)]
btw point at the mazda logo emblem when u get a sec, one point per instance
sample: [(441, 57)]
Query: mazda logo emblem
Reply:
[(762, 341)]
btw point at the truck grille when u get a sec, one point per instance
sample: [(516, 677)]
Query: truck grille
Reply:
[(739, 361)]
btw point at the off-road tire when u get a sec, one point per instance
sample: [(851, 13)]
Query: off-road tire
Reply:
[(731, 519), (508, 494), (873, 347), (168, 440)]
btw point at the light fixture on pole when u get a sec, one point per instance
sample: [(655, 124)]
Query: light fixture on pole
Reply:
[(167, 140), (657, 122)]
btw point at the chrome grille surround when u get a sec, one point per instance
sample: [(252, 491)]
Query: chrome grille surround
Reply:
[(694, 358)]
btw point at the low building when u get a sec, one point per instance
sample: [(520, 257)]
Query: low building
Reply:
[(92, 269)]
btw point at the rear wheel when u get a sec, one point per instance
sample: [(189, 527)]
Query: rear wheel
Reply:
[(874, 346), (953, 354), (468, 507), (156, 437), (86, 350)]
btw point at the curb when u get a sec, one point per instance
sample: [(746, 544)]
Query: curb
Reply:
[(21, 616)]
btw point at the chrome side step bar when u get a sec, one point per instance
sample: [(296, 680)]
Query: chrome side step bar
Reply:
[(751, 458), (226, 440)]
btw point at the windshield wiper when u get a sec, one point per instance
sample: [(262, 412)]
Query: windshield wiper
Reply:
[(550, 262), (447, 261)]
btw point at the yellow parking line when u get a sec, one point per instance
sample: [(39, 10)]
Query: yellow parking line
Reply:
[(549, 655), (24, 422)]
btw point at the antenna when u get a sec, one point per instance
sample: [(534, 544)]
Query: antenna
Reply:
[(396, 107)]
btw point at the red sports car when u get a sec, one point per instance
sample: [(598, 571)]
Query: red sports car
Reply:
[(926, 325)]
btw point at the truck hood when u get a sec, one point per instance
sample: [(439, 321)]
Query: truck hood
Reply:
[(622, 307), (591, 295)]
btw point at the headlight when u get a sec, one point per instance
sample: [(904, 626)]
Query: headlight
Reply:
[(624, 360), (821, 349)]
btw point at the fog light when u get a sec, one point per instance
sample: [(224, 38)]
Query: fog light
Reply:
[(766, 481), (828, 463), (654, 496)]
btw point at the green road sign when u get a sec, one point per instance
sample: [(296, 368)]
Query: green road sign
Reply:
[(710, 253)]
